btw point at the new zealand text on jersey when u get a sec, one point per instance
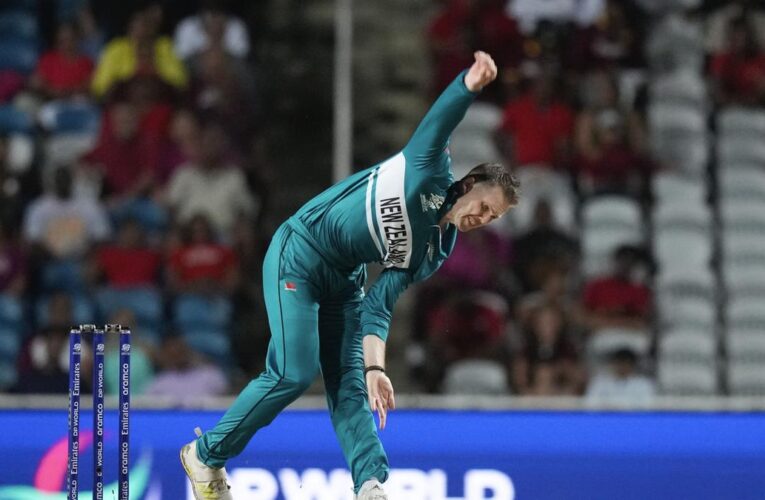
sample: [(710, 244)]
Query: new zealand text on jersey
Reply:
[(394, 228)]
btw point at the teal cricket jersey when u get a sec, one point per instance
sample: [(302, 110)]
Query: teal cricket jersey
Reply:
[(390, 213)]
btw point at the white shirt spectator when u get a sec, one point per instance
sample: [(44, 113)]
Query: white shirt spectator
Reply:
[(220, 193), (66, 227), (530, 12), (623, 391), (191, 38)]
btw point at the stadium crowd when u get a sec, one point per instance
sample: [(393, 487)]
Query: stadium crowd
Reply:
[(132, 190)]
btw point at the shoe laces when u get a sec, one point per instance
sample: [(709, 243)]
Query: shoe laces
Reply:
[(213, 489)]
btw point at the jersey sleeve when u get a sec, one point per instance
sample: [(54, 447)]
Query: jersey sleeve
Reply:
[(377, 306), (431, 137)]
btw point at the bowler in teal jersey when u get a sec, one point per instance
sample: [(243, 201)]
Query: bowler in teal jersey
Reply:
[(404, 213)]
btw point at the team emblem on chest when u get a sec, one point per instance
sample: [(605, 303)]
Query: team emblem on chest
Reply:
[(431, 202)]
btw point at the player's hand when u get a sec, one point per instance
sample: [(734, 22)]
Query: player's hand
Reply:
[(380, 391), (481, 73)]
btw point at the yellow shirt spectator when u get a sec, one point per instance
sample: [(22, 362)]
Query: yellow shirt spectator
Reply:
[(119, 61)]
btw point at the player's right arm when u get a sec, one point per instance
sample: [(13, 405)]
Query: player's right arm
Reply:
[(432, 135)]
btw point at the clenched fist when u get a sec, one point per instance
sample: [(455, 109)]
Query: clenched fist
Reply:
[(481, 73)]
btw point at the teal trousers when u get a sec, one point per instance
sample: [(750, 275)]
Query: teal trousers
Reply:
[(314, 319)]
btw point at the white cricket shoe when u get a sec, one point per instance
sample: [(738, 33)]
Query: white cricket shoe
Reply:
[(206, 482), (371, 490)]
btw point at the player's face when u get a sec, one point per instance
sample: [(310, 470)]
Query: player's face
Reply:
[(479, 206)]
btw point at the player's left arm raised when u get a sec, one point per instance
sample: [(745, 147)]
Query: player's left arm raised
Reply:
[(432, 134)]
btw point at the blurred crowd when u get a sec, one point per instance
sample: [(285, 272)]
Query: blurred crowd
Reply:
[(134, 186)]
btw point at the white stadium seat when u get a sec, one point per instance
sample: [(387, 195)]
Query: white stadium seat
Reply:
[(687, 347), (687, 379), (746, 378)]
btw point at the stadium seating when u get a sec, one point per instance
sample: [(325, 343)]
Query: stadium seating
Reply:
[(83, 310), (18, 55), (607, 222), (204, 323), (686, 346), (604, 342), (18, 25), (476, 376), (746, 378), (687, 379), (13, 120), (145, 303)]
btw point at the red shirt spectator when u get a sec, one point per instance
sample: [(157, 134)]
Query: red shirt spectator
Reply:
[(202, 263), (615, 296), (605, 159), (63, 71), (127, 158), (63, 74), (209, 261), (537, 128), (129, 267), (740, 76), (740, 71), (463, 27), (129, 262), (618, 300)]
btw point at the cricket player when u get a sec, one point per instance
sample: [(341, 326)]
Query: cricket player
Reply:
[(405, 213)]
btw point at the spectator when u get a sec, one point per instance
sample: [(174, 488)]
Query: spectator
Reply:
[(211, 186), (125, 157), (605, 161), (91, 36), (619, 300), (537, 126), (181, 368), (141, 52), (44, 363), (547, 361), (621, 383), (13, 265), (466, 326), (44, 359), (542, 248), (181, 146), (211, 27), (201, 264), (14, 188), (64, 71), (555, 290), (738, 73), (223, 89), (128, 262), (464, 26), (141, 355), (611, 42), (478, 263), (60, 225)]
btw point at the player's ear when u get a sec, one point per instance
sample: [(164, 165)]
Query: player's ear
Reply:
[(467, 184)]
